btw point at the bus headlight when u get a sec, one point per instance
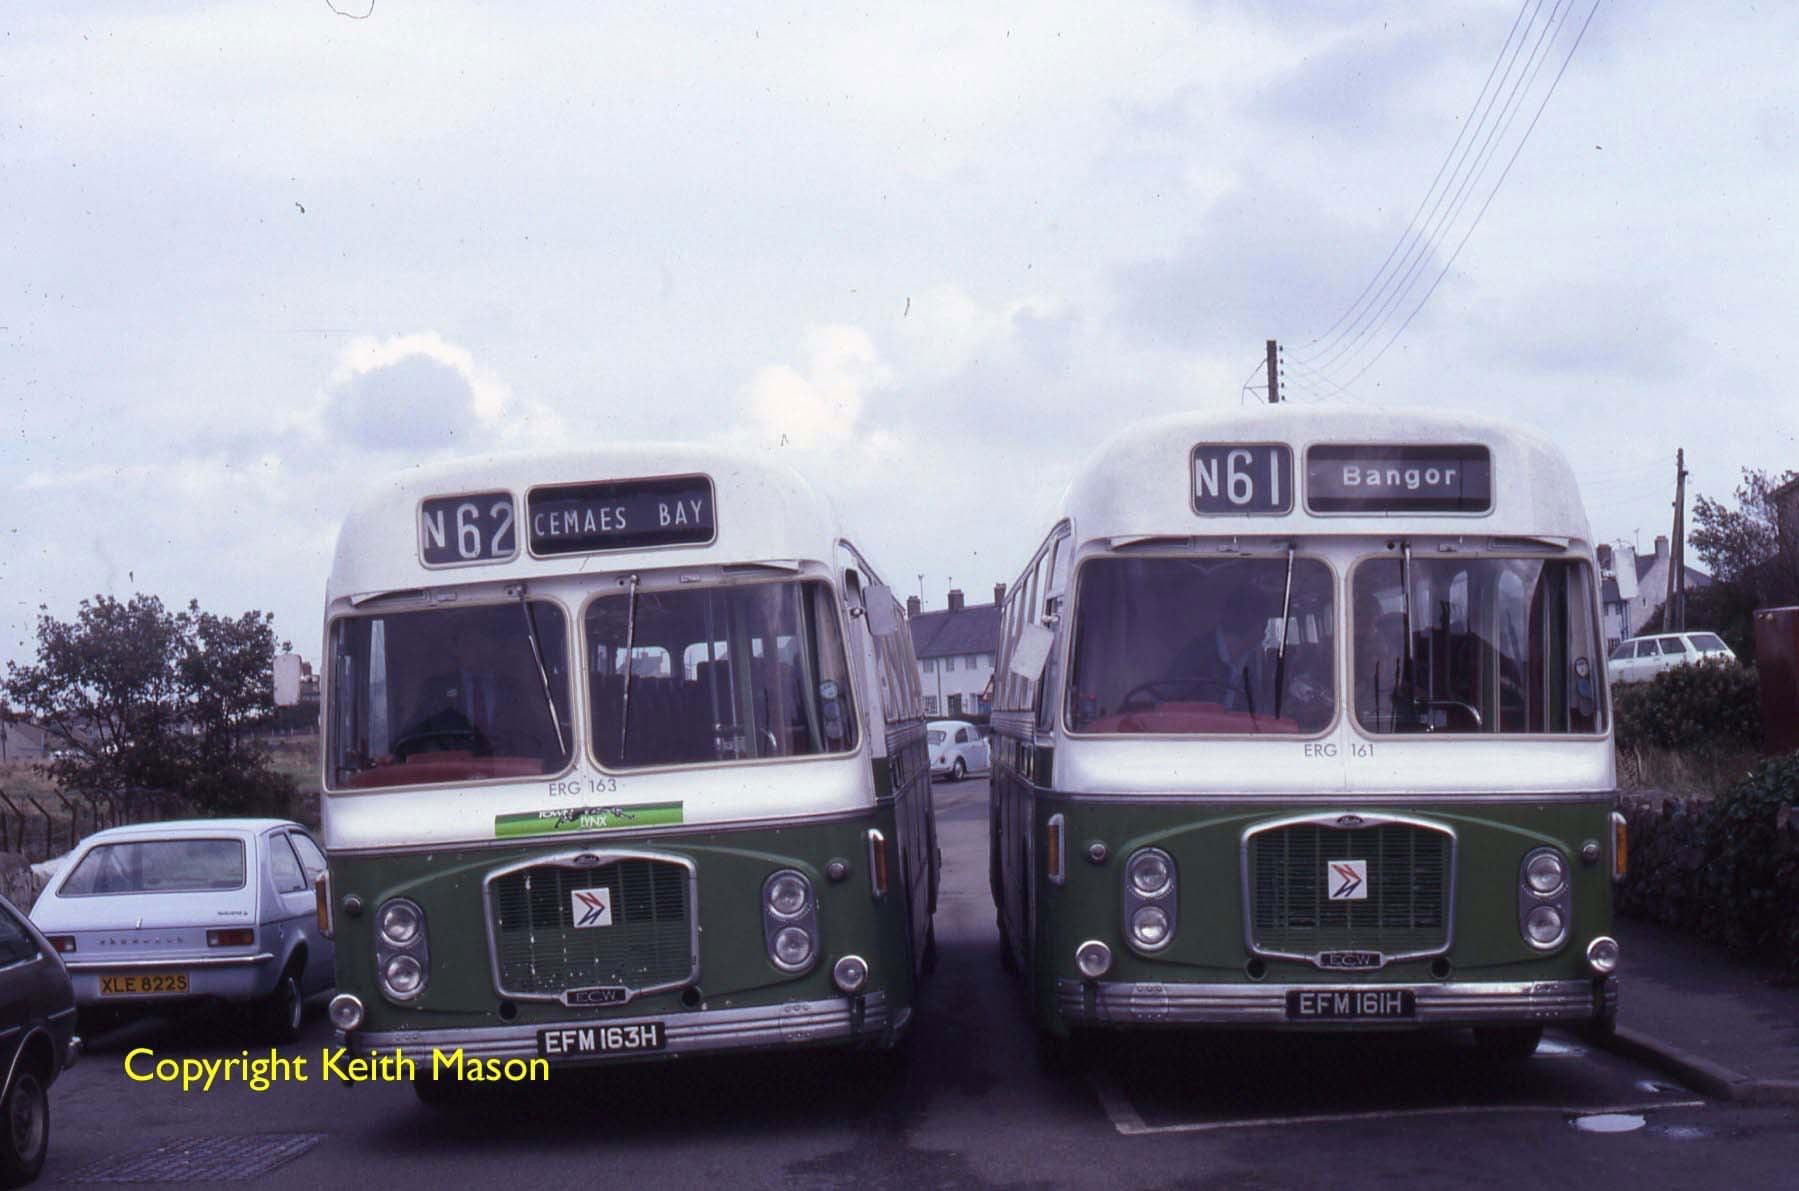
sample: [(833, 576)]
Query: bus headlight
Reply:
[(400, 922), (1545, 872), (789, 920), (402, 977), (402, 951), (788, 894), (1545, 926), (793, 947), (346, 1011), (1149, 927), (1093, 958), (1149, 899), (1150, 872)]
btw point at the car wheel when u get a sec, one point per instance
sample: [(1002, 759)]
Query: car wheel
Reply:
[(284, 1010), (26, 1136), (959, 772)]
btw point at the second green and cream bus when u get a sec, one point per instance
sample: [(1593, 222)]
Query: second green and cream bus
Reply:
[(1301, 723), (624, 755)]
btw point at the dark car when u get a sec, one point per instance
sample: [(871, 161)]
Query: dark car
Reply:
[(37, 1042)]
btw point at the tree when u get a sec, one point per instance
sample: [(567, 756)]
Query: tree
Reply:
[(140, 698), (1754, 564)]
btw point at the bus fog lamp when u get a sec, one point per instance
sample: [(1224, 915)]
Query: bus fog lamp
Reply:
[(400, 922), (1150, 872), (793, 947), (1545, 872), (1149, 925), (788, 894), (1544, 926), (1093, 958), (346, 1012), (402, 977), (1602, 955), (849, 974)]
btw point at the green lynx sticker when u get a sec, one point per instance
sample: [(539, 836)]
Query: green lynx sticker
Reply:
[(586, 818)]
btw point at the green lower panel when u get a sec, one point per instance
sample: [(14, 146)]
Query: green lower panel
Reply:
[(644, 914), (1252, 900)]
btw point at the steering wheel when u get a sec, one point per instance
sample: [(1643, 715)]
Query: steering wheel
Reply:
[(1171, 684), (441, 740)]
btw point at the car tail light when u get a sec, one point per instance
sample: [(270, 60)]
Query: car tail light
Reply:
[(237, 936), (63, 943)]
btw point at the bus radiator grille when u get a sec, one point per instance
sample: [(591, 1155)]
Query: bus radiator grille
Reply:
[(542, 952), (1406, 910)]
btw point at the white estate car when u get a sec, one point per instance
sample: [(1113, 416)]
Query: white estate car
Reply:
[(196, 909), (1638, 659), (957, 749)]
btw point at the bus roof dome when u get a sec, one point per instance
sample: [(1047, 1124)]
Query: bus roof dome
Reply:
[(1141, 481), (764, 510)]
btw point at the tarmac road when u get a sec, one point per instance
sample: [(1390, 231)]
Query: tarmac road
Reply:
[(969, 1107)]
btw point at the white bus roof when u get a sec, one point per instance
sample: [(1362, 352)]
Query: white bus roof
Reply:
[(765, 511), (1140, 482)]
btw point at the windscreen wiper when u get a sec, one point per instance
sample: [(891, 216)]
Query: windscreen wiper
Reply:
[(543, 675), (1280, 657), (624, 720)]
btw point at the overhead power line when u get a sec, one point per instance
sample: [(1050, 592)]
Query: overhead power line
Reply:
[(1386, 293)]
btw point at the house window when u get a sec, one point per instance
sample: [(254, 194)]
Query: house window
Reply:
[(930, 704), (971, 661), (949, 663), (928, 665)]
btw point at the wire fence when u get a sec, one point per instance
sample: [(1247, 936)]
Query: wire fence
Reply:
[(40, 827)]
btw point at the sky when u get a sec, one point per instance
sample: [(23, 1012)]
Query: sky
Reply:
[(255, 257)]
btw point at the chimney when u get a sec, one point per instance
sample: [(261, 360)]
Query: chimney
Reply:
[(1661, 547), (913, 607), (1604, 554), (999, 593), (955, 599)]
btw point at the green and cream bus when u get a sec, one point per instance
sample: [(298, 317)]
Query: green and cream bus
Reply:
[(1300, 723), (624, 755)]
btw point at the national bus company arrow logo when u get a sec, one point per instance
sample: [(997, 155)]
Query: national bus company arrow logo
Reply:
[(1347, 880), (592, 907)]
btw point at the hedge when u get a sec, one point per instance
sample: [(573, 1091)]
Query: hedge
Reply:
[(1726, 868), (1705, 705)]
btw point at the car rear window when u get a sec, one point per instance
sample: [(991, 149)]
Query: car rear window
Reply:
[(1708, 641), (157, 866), (935, 736)]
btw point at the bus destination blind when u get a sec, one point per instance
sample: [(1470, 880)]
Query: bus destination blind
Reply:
[(1376, 478), (622, 515)]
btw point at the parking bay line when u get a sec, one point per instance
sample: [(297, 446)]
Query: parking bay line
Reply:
[(1130, 1123)]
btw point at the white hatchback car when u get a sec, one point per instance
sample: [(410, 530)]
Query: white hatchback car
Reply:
[(957, 749), (1638, 659)]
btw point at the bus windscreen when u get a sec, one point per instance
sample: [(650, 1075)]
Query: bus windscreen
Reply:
[(1193, 647), (701, 675), (1496, 645)]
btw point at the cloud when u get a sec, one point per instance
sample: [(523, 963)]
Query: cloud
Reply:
[(821, 403), (419, 392)]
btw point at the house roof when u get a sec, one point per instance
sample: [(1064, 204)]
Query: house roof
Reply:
[(975, 629), (1695, 576)]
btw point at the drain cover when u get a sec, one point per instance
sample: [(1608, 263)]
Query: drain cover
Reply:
[(201, 1159)]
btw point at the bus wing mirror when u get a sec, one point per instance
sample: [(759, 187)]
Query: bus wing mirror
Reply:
[(882, 610), (1031, 651)]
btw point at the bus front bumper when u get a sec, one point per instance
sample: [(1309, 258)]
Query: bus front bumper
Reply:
[(867, 1020), (1116, 1003)]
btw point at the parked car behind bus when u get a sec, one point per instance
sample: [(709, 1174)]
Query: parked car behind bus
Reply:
[(37, 1043), (1638, 659), (957, 749), (198, 909)]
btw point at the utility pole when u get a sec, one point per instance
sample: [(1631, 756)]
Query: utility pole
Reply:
[(1274, 375), (1674, 615)]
